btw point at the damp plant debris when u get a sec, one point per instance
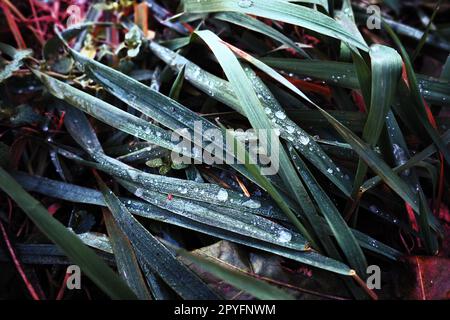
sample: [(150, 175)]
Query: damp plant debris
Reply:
[(232, 149)]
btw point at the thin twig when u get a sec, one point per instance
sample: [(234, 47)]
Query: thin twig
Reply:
[(17, 264)]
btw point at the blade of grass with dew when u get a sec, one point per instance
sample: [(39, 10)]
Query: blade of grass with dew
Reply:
[(272, 190), (90, 264), (424, 37), (345, 17), (254, 111), (107, 113), (281, 11), (239, 222), (177, 85), (421, 156), (205, 81), (253, 24), (184, 189), (416, 95), (335, 176), (155, 254), (127, 263), (344, 237), (240, 280), (17, 57), (294, 134), (436, 91), (373, 160), (401, 154), (386, 67)]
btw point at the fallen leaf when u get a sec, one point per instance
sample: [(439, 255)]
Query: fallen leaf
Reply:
[(301, 281)]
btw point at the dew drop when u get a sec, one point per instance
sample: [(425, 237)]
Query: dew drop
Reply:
[(280, 115), (284, 236), (245, 3), (252, 204), (222, 195), (139, 192), (304, 140)]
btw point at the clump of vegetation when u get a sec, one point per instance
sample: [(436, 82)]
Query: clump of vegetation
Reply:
[(357, 94)]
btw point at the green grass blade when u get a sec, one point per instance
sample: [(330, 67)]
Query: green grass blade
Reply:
[(127, 263), (17, 57), (421, 156), (253, 109), (400, 151), (424, 37), (436, 91), (253, 24), (385, 74), (300, 139), (337, 224), (417, 97), (235, 221), (177, 85), (279, 10), (373, 161), (107, 113)]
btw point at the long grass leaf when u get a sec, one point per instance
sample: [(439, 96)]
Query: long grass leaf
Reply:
[(278, 10), (256, 115), (126, 260), (253, 24), (386, 66), (336, 222), (417, 97), (343, 74), (17, 57)]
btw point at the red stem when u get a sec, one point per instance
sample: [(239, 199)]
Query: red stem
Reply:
[(16, 261)]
